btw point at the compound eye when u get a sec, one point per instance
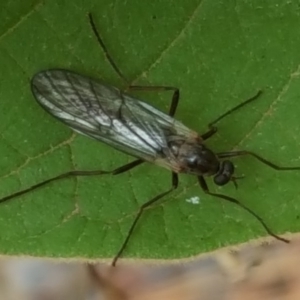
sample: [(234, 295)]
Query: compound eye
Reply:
[(228, 168), (225, 173), (221, 179)]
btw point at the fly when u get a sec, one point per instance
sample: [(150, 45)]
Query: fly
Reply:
[(109, 115)]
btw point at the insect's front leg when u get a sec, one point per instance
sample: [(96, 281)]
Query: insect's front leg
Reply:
[(206, 190), (212, 125), (258, 157), (212, 130)]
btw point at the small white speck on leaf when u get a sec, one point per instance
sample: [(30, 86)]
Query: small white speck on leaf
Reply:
[(193, 200)]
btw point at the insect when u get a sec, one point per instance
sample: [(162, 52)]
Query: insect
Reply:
[(110, 115)]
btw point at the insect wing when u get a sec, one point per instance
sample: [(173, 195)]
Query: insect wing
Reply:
[(104, 113)]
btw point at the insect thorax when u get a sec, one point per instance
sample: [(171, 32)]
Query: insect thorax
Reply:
[(194, 157)]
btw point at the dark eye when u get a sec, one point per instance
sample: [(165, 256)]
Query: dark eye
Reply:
[(221, 179), (225, 172)]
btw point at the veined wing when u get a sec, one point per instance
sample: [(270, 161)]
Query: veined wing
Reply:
[(105, 113)]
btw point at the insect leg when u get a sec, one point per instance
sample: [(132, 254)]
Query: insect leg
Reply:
[(235, 108), (213, 129), (175, 97), (261, 159), (74, 173), (140, 212), (102, 45), (204, 187)]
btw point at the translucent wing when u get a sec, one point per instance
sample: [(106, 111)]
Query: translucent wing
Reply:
[(105, 113)]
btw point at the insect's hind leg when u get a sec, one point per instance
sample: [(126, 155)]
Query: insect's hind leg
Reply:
[(175, 97), (140, 212), (213, 129), (108, 56), (75, 173), (204, 187)]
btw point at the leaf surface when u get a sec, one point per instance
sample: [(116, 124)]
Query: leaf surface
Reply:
[(218, 53)]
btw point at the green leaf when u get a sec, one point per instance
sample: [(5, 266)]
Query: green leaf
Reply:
[(218, 53)]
